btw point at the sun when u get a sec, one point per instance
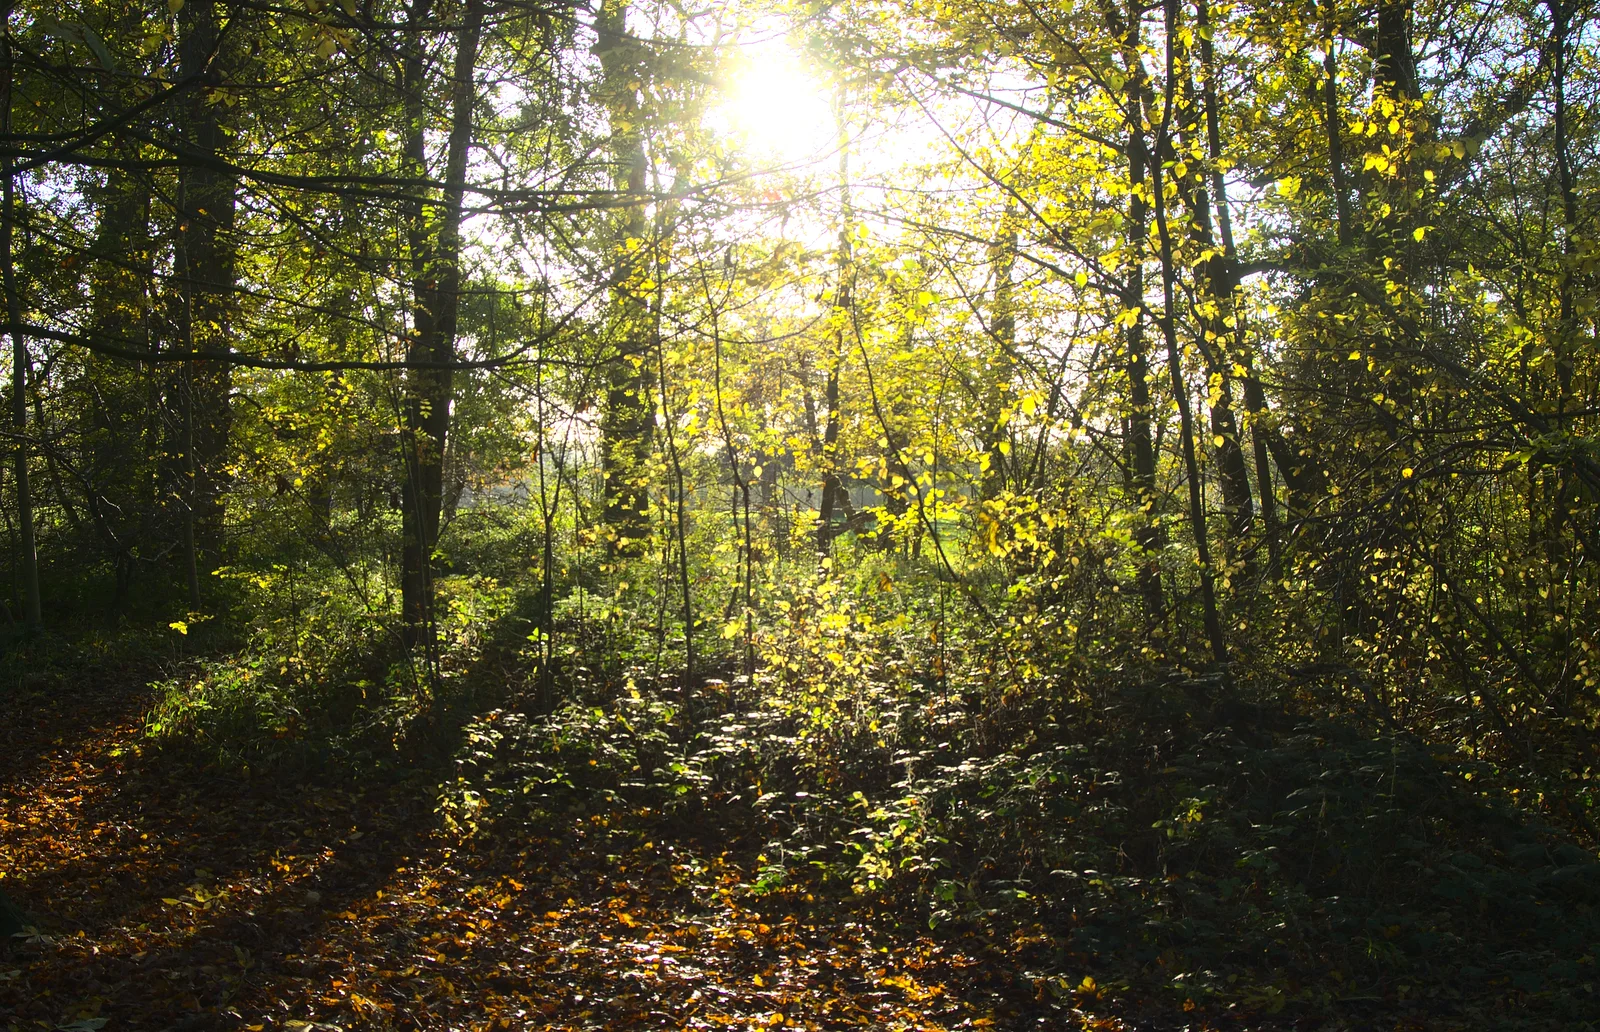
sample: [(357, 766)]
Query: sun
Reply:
[(777, 106)]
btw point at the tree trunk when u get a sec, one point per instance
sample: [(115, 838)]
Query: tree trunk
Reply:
[(436, 268), (1214, 315), (1197, 512), (205, 265), (116, 409), (1003, 335), (1395, 68), (629, 419), (1395, 196), (1566, 322), (1226, 276), (32, 609), (1333, 128), (834, 497), (1141, 410)]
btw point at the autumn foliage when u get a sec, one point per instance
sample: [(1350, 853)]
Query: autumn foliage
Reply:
[(915, 514)]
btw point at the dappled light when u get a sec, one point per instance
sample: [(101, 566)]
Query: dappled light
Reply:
[(907, 514)]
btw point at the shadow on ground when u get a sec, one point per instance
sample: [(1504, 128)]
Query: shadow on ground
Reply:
[(171, 896)]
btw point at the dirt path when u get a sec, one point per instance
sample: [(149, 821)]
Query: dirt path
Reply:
[(169, 898)]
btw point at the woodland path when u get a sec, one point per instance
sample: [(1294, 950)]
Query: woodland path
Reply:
[(169, 897)]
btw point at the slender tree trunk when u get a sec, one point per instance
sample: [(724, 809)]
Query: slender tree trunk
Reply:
[(1566, 322), (744, 559), (680, 507), (1197, 511), (191, 538), (29, 559), (436, 259), (1227, 276), (629, 420), (1333, 127), (52, 469), (1141, 409), (661, 268), (1214, 315), (1565, 336), (833, 492), (548, 507), (415, 585), (1003, 334)]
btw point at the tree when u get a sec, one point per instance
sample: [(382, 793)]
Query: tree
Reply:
[(436, 277), (203, 253), (629, 420), (20, 361)]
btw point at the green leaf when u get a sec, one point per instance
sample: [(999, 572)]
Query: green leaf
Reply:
[(51, 27), (98, 45)]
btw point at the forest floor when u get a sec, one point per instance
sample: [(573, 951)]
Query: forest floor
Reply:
[(171, 897), (164, 893)]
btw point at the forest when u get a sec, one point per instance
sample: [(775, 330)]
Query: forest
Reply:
[(757, 514)]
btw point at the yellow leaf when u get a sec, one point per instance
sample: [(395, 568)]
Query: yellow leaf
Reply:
[(179, 626)]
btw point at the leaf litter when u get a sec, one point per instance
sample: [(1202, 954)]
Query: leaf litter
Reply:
[(167, 897)]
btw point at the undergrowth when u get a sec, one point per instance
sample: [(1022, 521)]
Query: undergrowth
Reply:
[(1152, 853), (1124, 835)]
